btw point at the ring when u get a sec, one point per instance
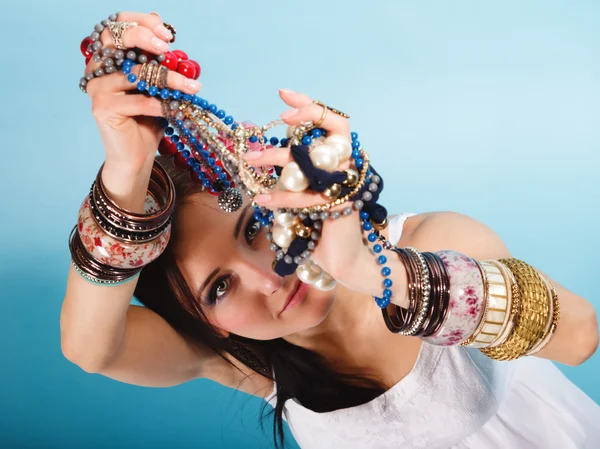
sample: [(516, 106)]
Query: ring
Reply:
[(322, 119), (162, 77), (172, 29), (116, 32), (334, 110)]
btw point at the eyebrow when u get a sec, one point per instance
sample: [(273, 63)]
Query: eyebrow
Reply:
[(236, 234), (239, 222)]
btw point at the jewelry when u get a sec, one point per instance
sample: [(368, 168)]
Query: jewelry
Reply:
[(533, 314), (555, 317), (209, 143), (440, 294), (94, 271), (113, 252), (161, 187), (495, 316), (162, 77), (466, 300), (116, 32), (323, 116), (335, 111), (172, 29)]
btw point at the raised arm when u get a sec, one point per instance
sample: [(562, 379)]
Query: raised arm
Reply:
[(100, 331), (576, 338)]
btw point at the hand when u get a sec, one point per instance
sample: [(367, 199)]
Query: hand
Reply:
[(127, 123), (341, 250)]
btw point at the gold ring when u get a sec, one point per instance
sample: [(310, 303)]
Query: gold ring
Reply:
[(172, 29), (116, 32), (322, 119), (162, 77), (155, 74), (334, 110)]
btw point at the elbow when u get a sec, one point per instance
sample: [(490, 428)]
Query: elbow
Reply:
[(84, 359), (586, 341)]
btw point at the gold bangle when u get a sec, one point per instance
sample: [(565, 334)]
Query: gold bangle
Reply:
[(554, 318), (533, 314)]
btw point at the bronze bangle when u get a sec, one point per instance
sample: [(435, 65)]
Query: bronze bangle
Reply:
[(121, 233), (443, 303), (137, 221), (113, 216), (434, 281), (396, 318)]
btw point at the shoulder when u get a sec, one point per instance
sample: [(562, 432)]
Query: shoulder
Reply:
[(434, 231)]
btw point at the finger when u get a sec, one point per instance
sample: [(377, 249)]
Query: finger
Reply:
[(152, 21), (294, 99), (333, 123), (279, 157), (282, 198), (118, 82), (141, 37), (126, 106)]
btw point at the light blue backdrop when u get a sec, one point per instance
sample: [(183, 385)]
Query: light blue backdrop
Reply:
[(495, 104)]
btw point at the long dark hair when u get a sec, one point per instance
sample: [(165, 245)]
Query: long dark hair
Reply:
[(300, 373)]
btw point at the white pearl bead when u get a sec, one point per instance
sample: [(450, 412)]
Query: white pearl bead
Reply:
[(293, 179), (283, 236), (343, 145), (286, 218), (325, 157), (325, 282), (309, 272), (289, 132)]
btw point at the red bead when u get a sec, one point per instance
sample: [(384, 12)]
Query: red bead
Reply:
[(170, 61), (167, 148), (187, 69), (180, 161), (181, 55), (84, 46), (197, 66)]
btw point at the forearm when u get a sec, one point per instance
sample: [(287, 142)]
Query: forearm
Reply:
[(93, 316), (576, 336)]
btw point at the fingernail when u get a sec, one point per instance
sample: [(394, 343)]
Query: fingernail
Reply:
[(159, 44), (262, 199), (164, 32), (290, 113), (192, 84), (253, 155), (286, 91)]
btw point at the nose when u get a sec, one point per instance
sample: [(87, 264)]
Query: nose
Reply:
[(258, 276)]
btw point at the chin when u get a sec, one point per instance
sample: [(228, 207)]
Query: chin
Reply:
[(316, 306)]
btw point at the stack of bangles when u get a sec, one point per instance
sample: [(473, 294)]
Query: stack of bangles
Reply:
[(504, 307)]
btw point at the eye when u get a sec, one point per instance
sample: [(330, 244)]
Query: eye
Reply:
[(252, 230), (219, 289)]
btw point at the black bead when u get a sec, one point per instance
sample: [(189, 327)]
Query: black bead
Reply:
[(219, 185)]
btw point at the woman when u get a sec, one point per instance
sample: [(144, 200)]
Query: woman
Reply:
[(215, 309)]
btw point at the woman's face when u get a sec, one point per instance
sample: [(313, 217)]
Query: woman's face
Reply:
[(226, 260)]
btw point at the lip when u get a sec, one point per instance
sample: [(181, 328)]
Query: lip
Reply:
[(296, 296)]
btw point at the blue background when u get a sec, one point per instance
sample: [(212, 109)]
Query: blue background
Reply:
[(486, 108)]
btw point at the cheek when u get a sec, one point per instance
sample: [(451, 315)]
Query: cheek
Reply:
[(241, 321)]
